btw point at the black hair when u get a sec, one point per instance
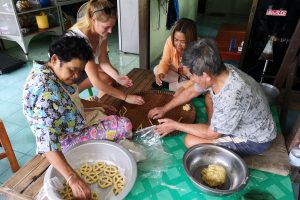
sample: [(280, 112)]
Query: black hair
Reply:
[(71, 47), (187, 27), (203, 56)]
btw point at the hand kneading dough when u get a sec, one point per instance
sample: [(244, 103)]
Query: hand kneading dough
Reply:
[(214, 175)]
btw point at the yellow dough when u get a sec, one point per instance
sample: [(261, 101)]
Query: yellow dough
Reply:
[(66, 193), (95, 196), (118, 179), (91, 177), (102, 174), (105, 181), (214, 175), (187, 107), (85, 168), (118, 184), (117, 188), (110, 170), (99, 167)]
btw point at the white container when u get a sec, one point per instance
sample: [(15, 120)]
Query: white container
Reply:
[(294, 157), (95, 151)]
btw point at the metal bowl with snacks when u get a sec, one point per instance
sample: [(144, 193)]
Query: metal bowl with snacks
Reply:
[(200, 156), (95, 151), (271, 92)]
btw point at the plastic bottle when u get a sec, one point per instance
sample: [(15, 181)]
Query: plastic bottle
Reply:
[(232, 45)]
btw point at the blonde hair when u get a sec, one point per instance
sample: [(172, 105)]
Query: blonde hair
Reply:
[(95, 8)]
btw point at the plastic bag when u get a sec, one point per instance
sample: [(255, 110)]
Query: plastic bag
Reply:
[(137, 150), (53, 184), (157, 159)]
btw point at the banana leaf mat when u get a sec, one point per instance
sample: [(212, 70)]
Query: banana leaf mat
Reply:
[(175, 184)]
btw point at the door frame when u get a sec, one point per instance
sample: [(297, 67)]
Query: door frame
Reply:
[(144, 33)]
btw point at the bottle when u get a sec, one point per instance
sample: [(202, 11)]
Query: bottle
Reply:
[(232, 45)]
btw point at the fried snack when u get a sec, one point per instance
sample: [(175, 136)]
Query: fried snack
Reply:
[(118, 183), (118, 179), (66, 193), (122, 111), (187, 107), (95, 196), (180, 118), (102, 174), (139, 127), (85, 168), (91, 177), (150, 122), (99, 167), (125, 111), (104, 181), (110, 170), (117, 188), (214, 175)]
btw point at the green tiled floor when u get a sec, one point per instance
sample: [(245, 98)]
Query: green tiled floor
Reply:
[(11, 86)]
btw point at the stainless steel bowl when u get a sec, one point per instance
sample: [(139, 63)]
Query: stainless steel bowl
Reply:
[(271, 92), (93, 151), (200, 156)]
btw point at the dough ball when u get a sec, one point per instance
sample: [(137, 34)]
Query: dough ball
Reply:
[(214, 175), (187, 107)]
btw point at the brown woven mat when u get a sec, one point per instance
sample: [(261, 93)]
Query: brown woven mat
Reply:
[(154, 98)]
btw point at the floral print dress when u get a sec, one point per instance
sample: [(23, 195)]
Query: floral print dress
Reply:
[(56, 117)]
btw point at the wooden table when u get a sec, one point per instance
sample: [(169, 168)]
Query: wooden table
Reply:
[(26, 183), (225, 34)]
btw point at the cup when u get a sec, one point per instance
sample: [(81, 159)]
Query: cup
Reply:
[(42, 21)]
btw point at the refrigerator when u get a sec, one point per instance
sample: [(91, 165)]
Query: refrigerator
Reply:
[(128, 25)]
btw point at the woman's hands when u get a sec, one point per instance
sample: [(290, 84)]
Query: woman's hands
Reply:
[(166, 126), (159, 78), (156, 113), (79, 188), (124, 80), (134, 99)]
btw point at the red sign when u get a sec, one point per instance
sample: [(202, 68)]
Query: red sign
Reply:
[(272, 12)]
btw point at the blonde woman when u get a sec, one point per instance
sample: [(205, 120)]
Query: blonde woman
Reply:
[(97, 22)]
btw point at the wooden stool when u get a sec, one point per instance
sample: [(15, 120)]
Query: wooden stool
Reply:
[(8, 150)]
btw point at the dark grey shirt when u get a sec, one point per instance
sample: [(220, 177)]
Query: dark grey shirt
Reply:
[(241, 109)]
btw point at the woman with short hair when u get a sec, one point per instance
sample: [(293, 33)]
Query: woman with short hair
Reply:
[(57, 116)]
